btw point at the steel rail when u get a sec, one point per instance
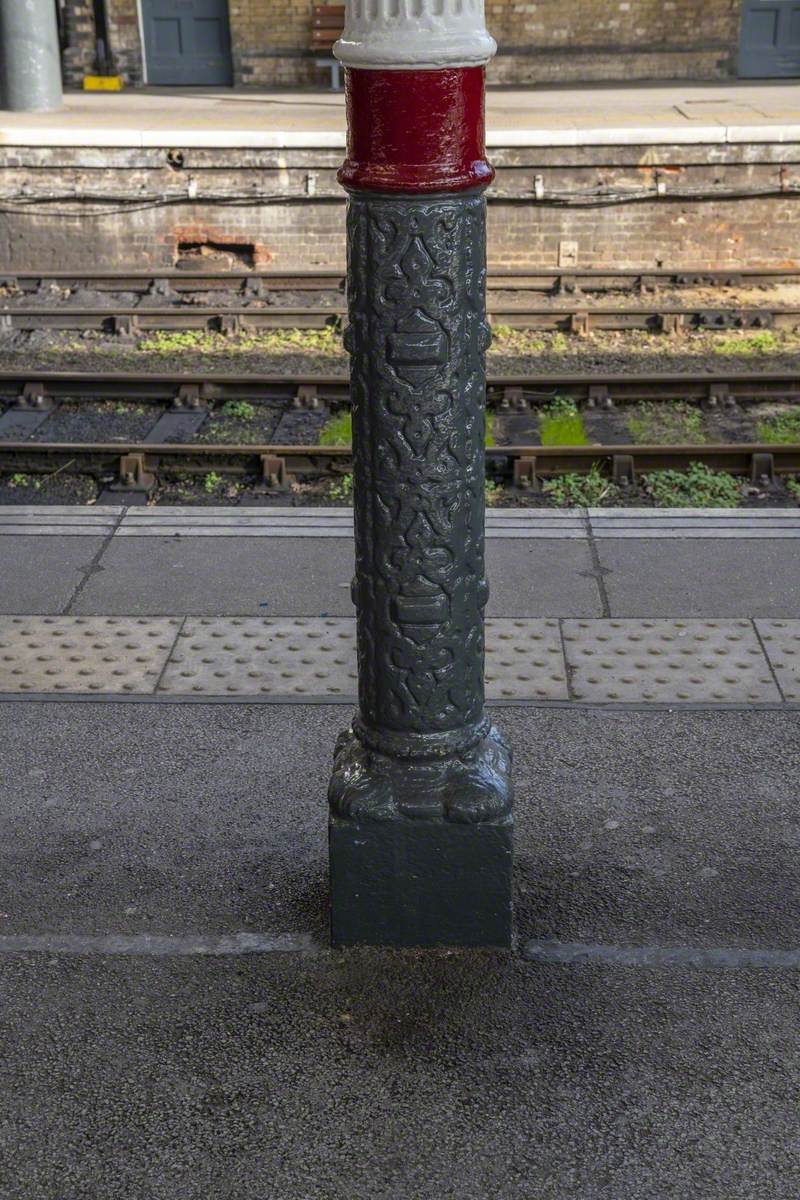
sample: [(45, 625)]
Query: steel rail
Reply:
[(128, 320), (32, 388), (500, 278), (137, 464)]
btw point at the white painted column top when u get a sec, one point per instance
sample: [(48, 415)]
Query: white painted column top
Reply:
[(414, 35)]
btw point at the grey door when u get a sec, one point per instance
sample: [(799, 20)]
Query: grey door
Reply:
[(770, 45), (187, 42)]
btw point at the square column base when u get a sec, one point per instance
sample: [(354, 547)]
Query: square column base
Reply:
[(421, 883)]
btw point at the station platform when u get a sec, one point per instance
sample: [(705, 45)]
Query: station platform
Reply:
[(597, 605), (649, 113), (176, 1024)]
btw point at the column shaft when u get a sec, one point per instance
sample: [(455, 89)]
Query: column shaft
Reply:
[(30, 56)]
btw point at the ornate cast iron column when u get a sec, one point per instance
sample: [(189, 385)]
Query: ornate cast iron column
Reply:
[(420, 824)]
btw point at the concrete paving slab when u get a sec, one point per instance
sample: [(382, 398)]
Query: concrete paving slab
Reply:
[(645, 112), (781, 640), (701, 578), (84, 654), (41, 574), (528, 577), (667, 661), (229, 576), (547, 578)]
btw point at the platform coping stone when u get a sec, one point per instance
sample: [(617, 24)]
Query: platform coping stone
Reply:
[(84, 654), (664, 661), (782, 643)]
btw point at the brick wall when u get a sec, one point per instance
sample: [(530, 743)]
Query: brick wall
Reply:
[(541, 41), (78, 32), (286, 226)]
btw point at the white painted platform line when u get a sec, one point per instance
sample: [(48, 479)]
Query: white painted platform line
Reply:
[(531, 523), (59, 520), (719, 523), (294, 658)]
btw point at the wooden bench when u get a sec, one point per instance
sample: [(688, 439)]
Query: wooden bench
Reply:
[(327, 23)]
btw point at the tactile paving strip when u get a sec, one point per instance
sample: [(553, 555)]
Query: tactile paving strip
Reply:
[(296, 656), (84, 654), (782, 643), (286, 656), (664, 661), (524, 660)]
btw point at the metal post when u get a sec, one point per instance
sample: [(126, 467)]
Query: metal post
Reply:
[(30, 58), (420, 824)]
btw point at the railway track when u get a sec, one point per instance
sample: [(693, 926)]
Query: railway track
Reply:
[(37, 393), (262, 282), (232, 320), (186, 401), (251, 302), (137, 467)]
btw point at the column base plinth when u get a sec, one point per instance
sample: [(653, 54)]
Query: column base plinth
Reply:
[(423, 883), (466, 787), (421, 848)]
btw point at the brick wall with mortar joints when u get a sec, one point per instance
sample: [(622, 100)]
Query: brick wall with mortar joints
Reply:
[(541, 41), (756, 232)]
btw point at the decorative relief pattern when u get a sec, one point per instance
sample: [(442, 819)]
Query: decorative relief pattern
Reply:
[(417, 338)]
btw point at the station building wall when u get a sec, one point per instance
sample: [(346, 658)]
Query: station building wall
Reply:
[(541, 41)]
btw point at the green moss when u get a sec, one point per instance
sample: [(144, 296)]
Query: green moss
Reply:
[(338, 431), (793, 487), (560, 424), (697, 487), (781, 427), (747, 345), (666, 425)]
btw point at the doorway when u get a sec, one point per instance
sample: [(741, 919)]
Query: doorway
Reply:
[(187, 43), (770, 39)]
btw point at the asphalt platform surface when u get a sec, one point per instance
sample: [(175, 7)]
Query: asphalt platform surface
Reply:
[(133, 1064)]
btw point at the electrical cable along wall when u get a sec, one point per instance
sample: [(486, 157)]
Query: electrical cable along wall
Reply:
[(420, 828)]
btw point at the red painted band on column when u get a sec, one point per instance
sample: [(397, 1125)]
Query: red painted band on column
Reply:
[(415, 131)]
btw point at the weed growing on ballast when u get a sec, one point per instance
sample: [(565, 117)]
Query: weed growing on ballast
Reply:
[(581, 491), (212, 482), (780, 427), (666, 425), (697, 487), (341, 489), (238, 410)]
